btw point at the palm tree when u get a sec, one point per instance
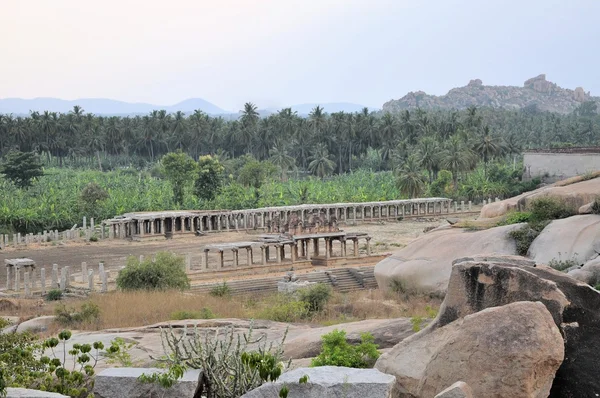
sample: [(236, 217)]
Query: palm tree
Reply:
[(281, 158), (317, 119), (387, 134), (249, 122), (410, 180), (456, 158), (321, 164), (428, 155), (488, 146)]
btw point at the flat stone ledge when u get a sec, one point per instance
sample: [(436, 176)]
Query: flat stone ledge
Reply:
[(123, 383), (330, 382), (27, 393)]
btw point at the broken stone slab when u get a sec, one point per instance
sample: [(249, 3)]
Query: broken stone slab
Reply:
[(27, 393), (329, 382), (124, 383), (460, 389)]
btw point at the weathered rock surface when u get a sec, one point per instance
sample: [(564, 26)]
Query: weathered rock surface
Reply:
[(330, 382), (536, 92), (573, 191), (27, 393), (575, 238), (425, 264), (460, 389), (479, 283), (508, 351), (123, 383)]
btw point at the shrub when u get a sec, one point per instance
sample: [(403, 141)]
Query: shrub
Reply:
[(337, 351), (24, 363), (204, 313), (4, 323), (54, 295), (561, 265), (230, 369), (222, 290), (548, 208), (166, 272), (93, 238), (596, 206), (525, 236), (286, 309), (516, 217), (89, 312), (315, 296), (118, 353)]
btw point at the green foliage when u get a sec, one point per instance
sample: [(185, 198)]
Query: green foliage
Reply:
[(27, 362), (21, 168), (210, 177), (222, 290), (516, 217), (229, 368), (3, 323), (286, 308), (417, 321), (204, 313), (54, 295), (596, 206), (410, 179), (91, 196), (561, 265), (254, 173), (525, 236), (337, 351), (315, 296), (166, 272), (179, 169), (549, 208), (71, 317), (119, 353)]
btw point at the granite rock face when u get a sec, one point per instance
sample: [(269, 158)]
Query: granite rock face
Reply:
[(330, 382), (501, 352), (123, 383), (27, 393), (460, 389)]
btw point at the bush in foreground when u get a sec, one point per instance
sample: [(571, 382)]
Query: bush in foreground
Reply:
[(337, 351), (166, 272)]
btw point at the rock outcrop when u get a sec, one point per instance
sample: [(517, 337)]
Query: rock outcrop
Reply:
[(479, 283), (508, 351), (574, 191), (575, 239), (124, 383), (460, 389), (536, 92), (329, 382), (27, 393), (425, 264)]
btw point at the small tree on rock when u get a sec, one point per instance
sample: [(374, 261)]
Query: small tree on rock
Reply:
[(21, 168)]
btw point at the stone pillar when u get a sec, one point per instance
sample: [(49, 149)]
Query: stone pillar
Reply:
[(316, 246), (54, 281), (90, 277), (455, 207), (470, 205), (368, 246), (84, 224), (221, 260), (188, 262), (307, 249), (26, 284), (84, 272), (327, 248), (235, 257), (249, 257), (63, 278), (278, 254), (43, 280), (293, 253), (163, 226), (103, 278), (263, 256), (206, 258), (9, 272), (17, 279), (355, 242), (462, 206)]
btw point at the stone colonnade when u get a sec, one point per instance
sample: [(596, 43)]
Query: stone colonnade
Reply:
[(169, 223)]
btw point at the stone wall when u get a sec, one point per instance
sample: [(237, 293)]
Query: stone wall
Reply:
[(559, 166)]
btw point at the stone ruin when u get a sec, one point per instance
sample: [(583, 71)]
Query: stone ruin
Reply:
[(294, 225)]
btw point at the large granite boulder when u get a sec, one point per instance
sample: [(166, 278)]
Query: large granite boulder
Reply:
[(573, 191), (424, 265), (124, 383), (329, 382), (501, 352), (575, 238), (478, 283)]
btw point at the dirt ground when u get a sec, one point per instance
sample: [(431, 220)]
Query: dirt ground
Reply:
[(386, 237)]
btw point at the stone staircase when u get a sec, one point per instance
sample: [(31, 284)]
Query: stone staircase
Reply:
[(340, 279)]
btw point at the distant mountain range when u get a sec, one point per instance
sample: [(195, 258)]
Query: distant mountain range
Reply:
[(536, 92), (103, 106)]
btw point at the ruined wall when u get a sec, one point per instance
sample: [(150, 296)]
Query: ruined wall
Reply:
[(559, 166)]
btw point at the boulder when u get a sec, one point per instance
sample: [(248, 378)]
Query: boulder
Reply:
[(575, 238), (593, 266), (36, 325), (586, 209), (479, 283), (508, 351), (574, 191), (424, 265), (329, 382), (582, 276), (123, 383), (460, 389), (27, 393)]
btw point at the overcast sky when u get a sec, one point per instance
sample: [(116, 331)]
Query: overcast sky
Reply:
[(284, 52)]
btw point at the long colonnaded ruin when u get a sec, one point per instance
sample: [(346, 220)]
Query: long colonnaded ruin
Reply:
[(175, 223)]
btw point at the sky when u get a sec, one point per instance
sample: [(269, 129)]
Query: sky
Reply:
[(284, 52)]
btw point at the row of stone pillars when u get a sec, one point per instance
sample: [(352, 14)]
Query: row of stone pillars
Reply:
[(18, 239), (60, 278)]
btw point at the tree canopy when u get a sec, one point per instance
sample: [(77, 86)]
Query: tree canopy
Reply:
[(21, 168)]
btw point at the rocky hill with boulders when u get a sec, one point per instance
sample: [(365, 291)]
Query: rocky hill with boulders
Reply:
[(537, 93)]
